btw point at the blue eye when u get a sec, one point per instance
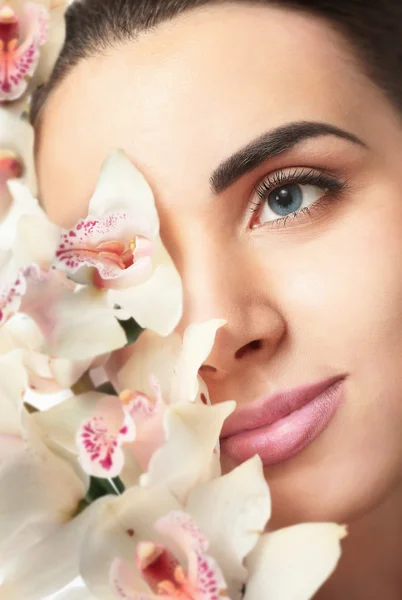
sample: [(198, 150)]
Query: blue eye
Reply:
[(289, 194), (288, 199)]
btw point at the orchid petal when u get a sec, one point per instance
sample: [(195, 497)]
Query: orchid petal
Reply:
[(188, 458), (46, 374), (13, 382), (124, 521), (198, 340), (293, 563), (54, 43), (36, 237), (11, 167), (125, 583), (83, 326), (96, 248), (61, 422), (121, 186), (232, 512), (19, 61), (71, 593), (100, 440), (151, 354), (203, 573), (23, 204), (16, 160), (38, 508), (155, 304), (60, 552), (13, 286)]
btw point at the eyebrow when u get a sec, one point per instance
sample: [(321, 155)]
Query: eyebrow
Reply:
[(271, 144)]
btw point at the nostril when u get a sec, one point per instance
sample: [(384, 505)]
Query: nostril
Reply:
[(207, 369), (250, 347)]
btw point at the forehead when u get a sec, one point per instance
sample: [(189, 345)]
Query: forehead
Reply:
[(185, 96)]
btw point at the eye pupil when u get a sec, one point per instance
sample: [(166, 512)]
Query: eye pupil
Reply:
[(286, 199)]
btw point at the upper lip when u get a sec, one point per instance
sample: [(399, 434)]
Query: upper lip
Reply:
[(266, 411)]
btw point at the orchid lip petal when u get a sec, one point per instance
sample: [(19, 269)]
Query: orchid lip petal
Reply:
[(18, 60), (106, 243), (101, 448)]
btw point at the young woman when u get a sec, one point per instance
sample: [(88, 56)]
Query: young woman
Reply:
[(271, 135)]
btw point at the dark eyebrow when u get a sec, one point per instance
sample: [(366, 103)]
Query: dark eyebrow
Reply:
[(271, 144)]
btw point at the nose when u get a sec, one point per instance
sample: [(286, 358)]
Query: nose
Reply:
[(233, 291)]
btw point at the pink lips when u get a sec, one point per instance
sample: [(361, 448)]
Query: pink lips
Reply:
[(282, 425)]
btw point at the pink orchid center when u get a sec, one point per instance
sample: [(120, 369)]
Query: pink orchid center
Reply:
[(139, 404), (9, 29), (111, 253), (162, 572)]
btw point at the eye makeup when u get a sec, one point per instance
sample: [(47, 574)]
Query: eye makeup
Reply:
[(330, 184)]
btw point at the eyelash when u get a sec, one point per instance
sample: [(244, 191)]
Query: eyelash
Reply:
[(320, 178)]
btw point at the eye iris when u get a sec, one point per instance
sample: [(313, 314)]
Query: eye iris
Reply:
[(286, 199)]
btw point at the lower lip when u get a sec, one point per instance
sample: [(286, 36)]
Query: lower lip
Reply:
[(288, 436)]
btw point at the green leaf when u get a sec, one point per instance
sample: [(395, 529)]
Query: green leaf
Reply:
[(102, 487), (132, 330), (107, 388)]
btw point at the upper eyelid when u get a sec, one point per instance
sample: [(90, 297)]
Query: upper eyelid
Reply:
[(294, 172)]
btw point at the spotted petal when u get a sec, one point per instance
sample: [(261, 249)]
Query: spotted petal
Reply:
[(121, 186), (14, 284), (204, 575), (115, 239), (105, 245), (100, 439), (18, 61), (199, 578)]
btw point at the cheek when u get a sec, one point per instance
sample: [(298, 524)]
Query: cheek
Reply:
[(343, 288), (344, 300)]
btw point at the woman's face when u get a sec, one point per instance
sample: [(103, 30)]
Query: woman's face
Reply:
[(305, 298)]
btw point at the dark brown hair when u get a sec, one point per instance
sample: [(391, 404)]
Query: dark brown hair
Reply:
[(374, 28)]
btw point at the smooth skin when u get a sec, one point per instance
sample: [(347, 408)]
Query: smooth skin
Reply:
[(316, 296)]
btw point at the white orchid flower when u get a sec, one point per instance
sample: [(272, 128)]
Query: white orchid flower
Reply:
[(32, 34), (185, 455), (112, 432), (16, 159), (118, 249), (40, 488), (76, 323), (145, 545)]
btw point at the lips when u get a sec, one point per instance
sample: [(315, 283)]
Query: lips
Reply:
[(281, 425)]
